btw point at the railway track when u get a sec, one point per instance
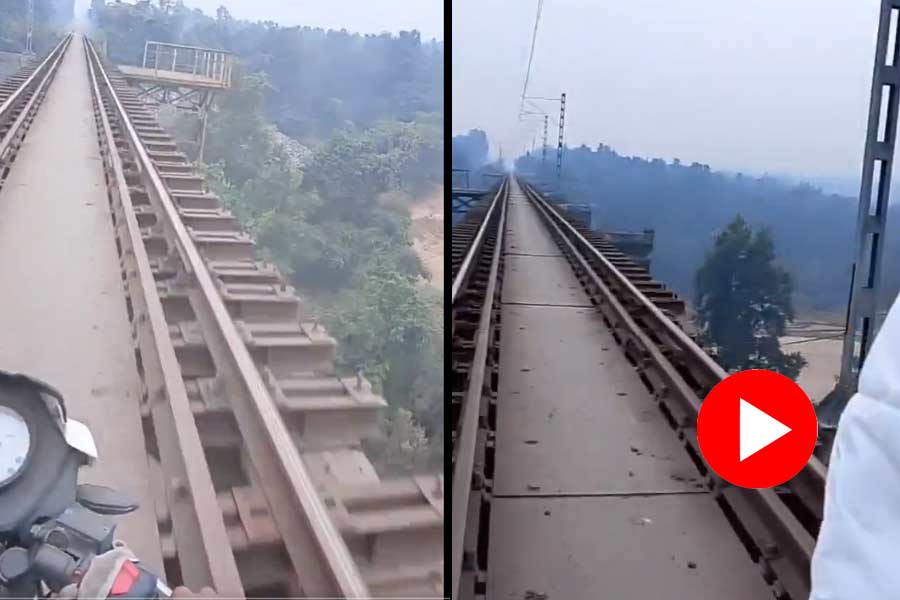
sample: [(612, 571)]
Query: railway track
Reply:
[(776, 528), (254, 442), (20, 97)]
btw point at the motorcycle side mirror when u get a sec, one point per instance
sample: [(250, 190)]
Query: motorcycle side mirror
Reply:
[(80, 438), (105, 500)]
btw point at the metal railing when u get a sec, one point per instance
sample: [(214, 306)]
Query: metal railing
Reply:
[(192, 60)]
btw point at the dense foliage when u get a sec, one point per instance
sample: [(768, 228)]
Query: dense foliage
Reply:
[(688, 204), (321, 80), (329, 202), (743, 301), (49, 15), (469, 150)]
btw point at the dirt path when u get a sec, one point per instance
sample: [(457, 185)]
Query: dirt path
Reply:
[(428, 235)]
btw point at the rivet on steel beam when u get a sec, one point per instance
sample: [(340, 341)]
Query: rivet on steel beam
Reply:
[(159, 395), (179, 487), (770, 550)]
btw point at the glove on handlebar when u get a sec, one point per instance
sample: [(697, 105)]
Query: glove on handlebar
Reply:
[(98, 581)]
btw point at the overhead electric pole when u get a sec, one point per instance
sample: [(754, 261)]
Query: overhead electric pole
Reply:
[(544, 145), (881, 134), (29, 17), (559, 147)]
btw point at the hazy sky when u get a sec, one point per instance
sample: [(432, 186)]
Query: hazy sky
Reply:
[(767, 85), (364, 16)]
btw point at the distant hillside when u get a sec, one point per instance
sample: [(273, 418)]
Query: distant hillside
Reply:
[(49, 15), (319, 81), (687, 204)]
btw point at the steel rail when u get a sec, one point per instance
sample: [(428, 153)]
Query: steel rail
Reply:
[(462, 276), (318, 553), (776, 531), (47, 68), (9, 102), (200, 534), (464, 459)]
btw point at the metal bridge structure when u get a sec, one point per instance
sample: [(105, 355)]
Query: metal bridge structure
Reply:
[(575, 390), (210, 388), (576, 385), (864, 310), (184, 77)]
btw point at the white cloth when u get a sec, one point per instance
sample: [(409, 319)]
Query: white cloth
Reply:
[(856, 555)]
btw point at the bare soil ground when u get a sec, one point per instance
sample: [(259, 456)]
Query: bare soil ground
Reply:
[(428, 235), (823, 355)]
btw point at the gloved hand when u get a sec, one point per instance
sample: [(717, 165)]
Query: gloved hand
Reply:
[(98, 580), (102, 572)]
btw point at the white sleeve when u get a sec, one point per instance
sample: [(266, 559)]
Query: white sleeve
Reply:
[(857, 554)]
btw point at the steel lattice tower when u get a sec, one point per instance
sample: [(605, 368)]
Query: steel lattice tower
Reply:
[(559, 147)]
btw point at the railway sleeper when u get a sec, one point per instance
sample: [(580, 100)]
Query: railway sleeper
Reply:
[(285, 347), (235, 271), (325, 420), (376, 519), (209, 219), (302, 384), (175, 168), (192, 200), (167, 156)]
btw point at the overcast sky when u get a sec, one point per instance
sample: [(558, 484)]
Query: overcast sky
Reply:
[(364, 16), (767, 85)]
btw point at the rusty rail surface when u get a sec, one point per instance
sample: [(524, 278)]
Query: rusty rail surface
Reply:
[(465, 250), (478, 250), (256, 441), (779, 524), (20, 97)]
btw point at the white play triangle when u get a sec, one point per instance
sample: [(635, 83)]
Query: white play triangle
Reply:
[(757, 429)]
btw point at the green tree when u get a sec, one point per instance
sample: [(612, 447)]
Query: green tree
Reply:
[(404, 447), (331, 211), (744, 301)]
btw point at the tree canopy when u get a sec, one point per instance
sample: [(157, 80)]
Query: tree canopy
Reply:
[(335, 221), (743, 301), (687, 203), (48, 16), (470, 150), (321, 80), (320, 148)]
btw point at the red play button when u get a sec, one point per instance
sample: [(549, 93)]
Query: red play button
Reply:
[(757, 429)]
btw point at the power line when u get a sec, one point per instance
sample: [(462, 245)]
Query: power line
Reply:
[(537, 20)]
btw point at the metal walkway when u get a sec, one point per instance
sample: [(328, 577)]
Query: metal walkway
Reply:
[(593, 494), (62, 307)]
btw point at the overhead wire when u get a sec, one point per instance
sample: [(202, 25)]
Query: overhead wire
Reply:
[(537, 20)]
